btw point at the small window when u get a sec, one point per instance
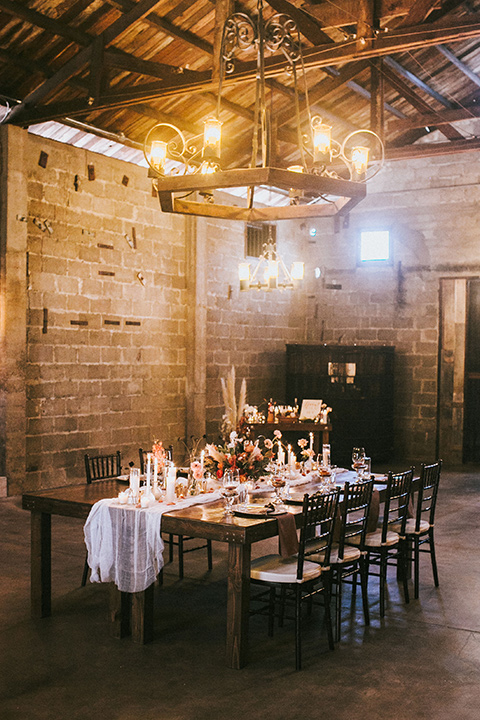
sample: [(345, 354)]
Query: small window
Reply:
[(375, 246), (256, 236)]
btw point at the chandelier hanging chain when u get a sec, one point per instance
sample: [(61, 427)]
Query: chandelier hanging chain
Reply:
[(311, 183)]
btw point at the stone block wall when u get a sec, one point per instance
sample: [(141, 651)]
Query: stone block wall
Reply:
[(249, 329), (431, 210), (106, 313), (117, 318)]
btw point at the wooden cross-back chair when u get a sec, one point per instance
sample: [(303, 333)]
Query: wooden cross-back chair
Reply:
[(298, 579), (347, 558), (419, 530), (386, 545), (103, 467), (100, 467)]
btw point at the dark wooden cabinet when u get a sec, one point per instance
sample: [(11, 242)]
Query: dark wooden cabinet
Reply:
[(357, 383)]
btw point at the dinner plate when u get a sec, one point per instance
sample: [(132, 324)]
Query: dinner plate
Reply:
[(256, 510)]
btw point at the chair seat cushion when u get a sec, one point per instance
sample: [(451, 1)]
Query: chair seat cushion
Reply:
[(375, 539), (350, 554), (410, 527), (275, 569)]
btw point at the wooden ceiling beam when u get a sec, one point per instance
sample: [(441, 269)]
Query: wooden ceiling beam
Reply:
[(344, 12), (418, 12), (446, 8), (78, 61), (377, 102), (363, 92), (167, 27), (325, 88), (55, 27), (120, 59), (435, 119), (307, 24), (427, 150), (421, 84), (398, 40), (323, 56), (417, 102), (459, 64)]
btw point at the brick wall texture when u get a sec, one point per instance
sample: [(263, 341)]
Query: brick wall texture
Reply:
[(106, 346)]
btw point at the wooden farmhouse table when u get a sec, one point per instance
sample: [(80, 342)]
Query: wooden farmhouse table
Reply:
[(132, 613)]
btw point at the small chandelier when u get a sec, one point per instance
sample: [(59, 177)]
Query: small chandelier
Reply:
[(270, 272), (315, 187)]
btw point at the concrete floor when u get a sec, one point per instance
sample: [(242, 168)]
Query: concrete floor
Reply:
[(422, 661)]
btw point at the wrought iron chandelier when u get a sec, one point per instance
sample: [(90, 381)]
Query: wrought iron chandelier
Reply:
[(270, 272), (314, 187)]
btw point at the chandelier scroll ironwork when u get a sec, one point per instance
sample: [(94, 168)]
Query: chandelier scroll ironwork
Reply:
[(315, 186)]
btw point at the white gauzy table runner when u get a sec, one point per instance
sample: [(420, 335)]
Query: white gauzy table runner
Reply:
[(124, 543)]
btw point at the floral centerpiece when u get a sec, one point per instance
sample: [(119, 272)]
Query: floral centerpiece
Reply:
[(159, 452), (307, 452), (242, 454), (237, 451)]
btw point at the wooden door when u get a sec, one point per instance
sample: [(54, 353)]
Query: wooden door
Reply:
[(451, 404), (471, 428)]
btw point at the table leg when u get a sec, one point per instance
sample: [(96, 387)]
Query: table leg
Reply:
[(41, 564), (142, 616), (120, 604), (238, 598)]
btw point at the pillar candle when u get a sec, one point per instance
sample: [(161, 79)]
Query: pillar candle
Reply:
[(149, 468), (326, 456), (202, 460), (171, 477), (281, 454), (311, 441), (291, 461), (155, 469)]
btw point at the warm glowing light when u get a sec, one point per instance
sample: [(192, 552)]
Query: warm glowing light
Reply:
[(296, 168), (360, 160), (322, 136), (244, 271), (244, 275), (212, 135), (272, 269), (297, 271), (158, 155)]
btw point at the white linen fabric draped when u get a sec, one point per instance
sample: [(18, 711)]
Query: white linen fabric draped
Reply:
[(124, 543)]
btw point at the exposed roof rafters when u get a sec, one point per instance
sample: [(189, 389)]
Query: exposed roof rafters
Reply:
[(94, 68)]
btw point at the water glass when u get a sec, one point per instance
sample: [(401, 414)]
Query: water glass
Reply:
[(231, 479)]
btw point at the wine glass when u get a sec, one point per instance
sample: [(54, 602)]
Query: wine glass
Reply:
[(358, 460), (229, 491), (278, 482)]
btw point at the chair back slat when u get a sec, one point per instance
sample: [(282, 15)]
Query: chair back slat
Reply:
[(354, 510), (427, 494), (319, 513), (142, 454), (396, 501), (102, 467)]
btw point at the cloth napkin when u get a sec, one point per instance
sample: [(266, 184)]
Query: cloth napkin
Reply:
[(124, 543), (372, 519), (287, 535)]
